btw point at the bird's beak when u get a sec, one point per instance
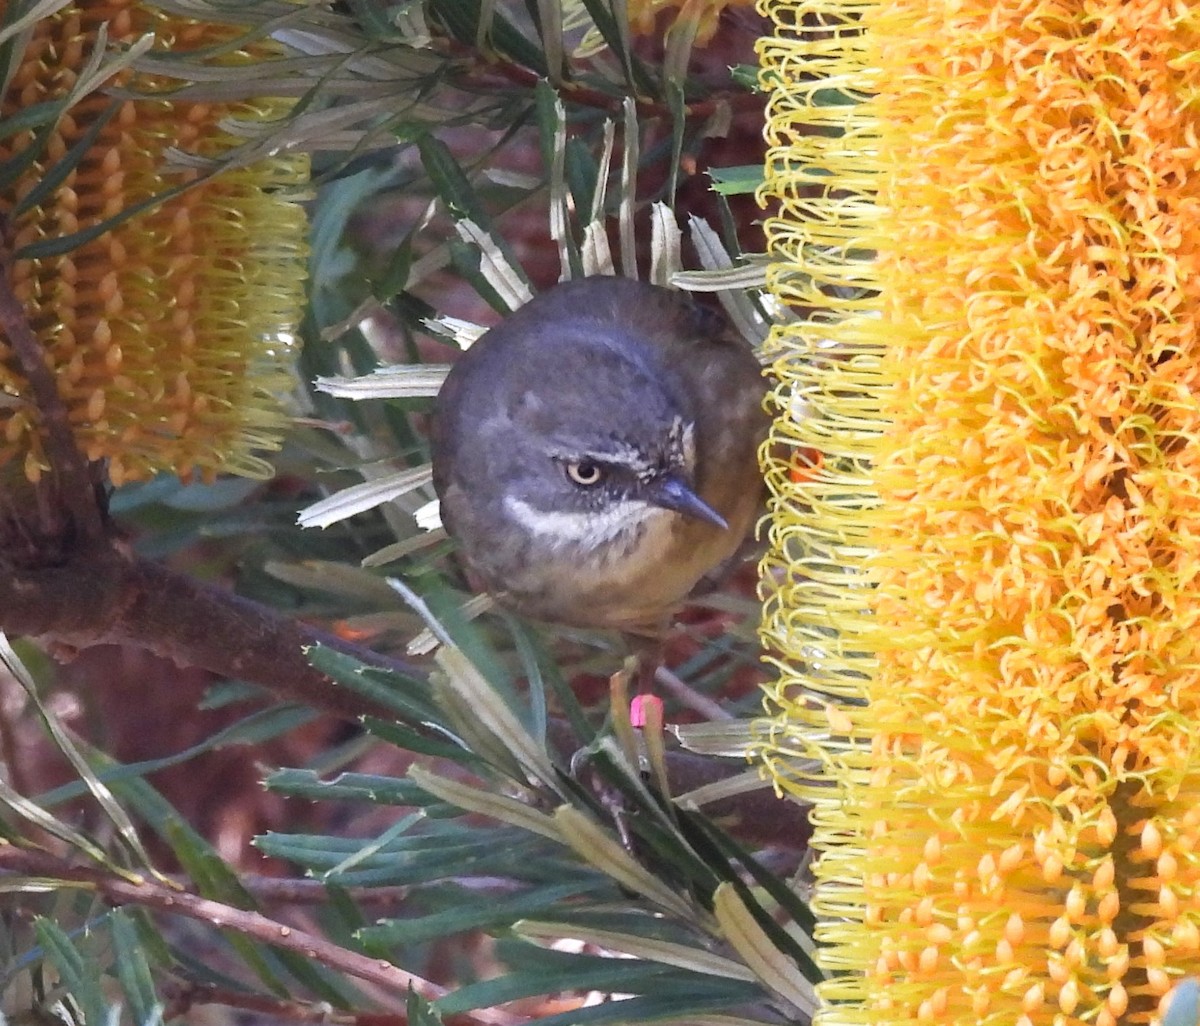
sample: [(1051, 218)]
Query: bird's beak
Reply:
[(673, 493)]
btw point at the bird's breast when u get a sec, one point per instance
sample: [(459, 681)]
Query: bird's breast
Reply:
[(631, 580)]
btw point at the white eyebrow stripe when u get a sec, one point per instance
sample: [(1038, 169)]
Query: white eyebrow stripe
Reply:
[(681, 440)]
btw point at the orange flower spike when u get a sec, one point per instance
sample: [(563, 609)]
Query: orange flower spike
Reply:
[(985, 223), (170, 333)]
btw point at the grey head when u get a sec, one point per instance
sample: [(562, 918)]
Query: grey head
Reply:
[(566, 429)]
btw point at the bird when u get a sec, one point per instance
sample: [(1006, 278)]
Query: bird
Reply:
[(595, 453)]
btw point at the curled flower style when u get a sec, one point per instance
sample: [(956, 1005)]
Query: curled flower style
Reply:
[(986, 607), (169, 332)]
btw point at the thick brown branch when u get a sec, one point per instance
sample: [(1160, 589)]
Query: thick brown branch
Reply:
[(147, 893), (107, 595)]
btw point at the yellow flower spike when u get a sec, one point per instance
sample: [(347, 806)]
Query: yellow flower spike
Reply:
[(170, 333), (987, 222)]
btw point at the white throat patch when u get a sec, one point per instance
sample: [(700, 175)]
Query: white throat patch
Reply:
[(588, 531)]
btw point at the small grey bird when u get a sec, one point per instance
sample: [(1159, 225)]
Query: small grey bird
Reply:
[(595, 453)]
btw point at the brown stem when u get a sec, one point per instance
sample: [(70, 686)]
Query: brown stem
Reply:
[(147, 893), (285, 890), (108, 595), (72, 488), (183, 997)]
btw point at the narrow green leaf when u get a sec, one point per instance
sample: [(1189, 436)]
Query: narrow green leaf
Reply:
[(628, 190), (606, 25), (41, 116), (451, 620), (260, 726), (475, 733), (58, 171), (568, 702), (212, 876), (527, 653), (80, 974), (31, 811), (661, 992), (371, 848), (549, 23), (501, 854), (637, 79), (419, 1012), (473, 914), (406, 695), (344, 917), (414, 741), (682, 956), (468, 261), (552, 133), (737, 180), (780, 892), (677, 105), (133, 970), (363, 787), (776, 969), (452, 184), (60, 244), (395, 275), (460, 196), (328, 986), (746, 76), (104, 797), (486, 803), (493, 714), (499, 267), (597, 847), (461, 18), (590, 974), (581, 170)]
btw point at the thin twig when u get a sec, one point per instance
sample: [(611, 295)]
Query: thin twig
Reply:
[(686, 695), (291, 891), (183, 997), (148, 893), (69, 470)]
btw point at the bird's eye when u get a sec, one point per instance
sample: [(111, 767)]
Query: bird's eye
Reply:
[(585, 473)]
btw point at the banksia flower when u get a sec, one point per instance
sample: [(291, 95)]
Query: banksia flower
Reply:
[(167, 333), (985, 605)]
